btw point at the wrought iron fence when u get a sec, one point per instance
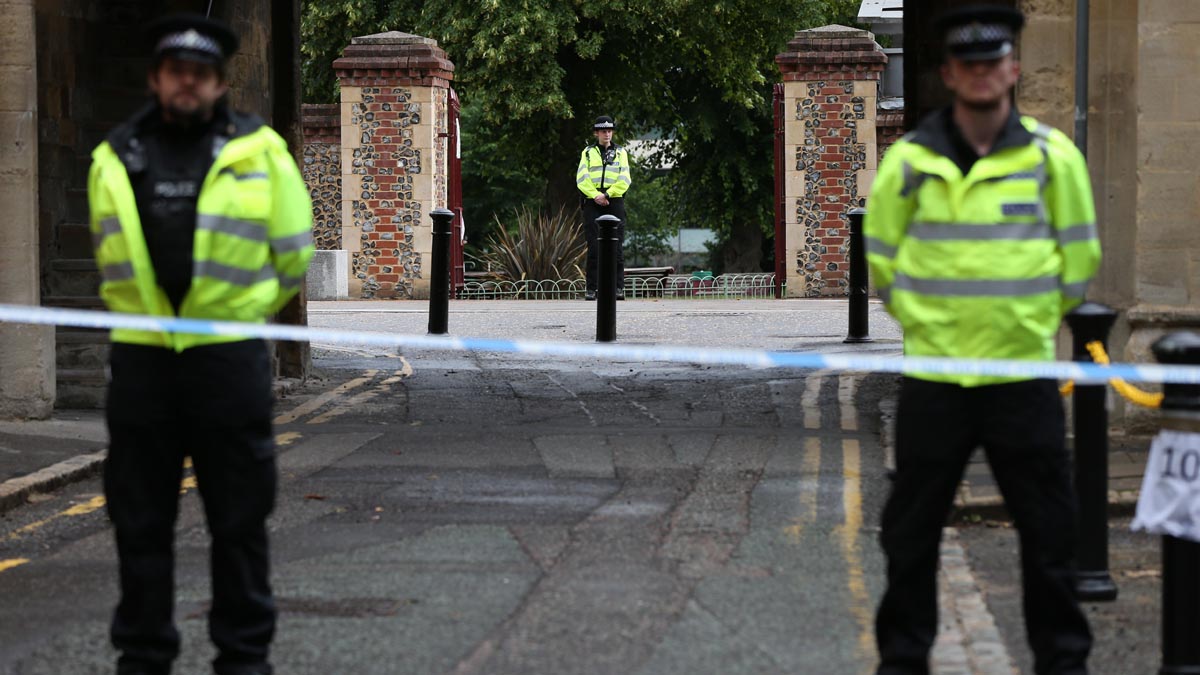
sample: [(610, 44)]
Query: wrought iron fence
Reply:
[(675, 286)]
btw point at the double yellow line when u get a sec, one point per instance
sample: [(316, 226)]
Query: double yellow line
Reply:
[(849, 532), (77, 510)]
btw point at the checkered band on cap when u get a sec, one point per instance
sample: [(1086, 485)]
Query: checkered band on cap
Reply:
[(191, 40), (977, 33), (604, 125)]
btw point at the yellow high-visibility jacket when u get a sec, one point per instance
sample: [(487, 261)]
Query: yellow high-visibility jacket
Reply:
[(594, 176), (252, 244), (982, 265)]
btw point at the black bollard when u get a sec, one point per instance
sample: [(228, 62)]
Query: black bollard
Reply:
[(1091, 322), (859, 329), (606, 291), (1180, 557), (439, 273)]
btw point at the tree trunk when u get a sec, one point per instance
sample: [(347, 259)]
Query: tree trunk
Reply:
[(560, 181), (743, 252)]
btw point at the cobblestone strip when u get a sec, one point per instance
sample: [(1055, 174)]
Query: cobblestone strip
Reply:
[(968, 641)]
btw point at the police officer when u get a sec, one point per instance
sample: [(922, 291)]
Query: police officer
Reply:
[(197, 211), (980, 235), (603, 178)]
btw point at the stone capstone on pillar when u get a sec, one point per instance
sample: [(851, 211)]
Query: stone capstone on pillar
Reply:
[(831, 90), (394, 159)]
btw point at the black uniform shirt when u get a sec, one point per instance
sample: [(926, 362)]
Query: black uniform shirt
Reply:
[(176, 162), (963, 154)]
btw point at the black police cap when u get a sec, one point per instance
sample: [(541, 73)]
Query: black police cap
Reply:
[(604, 122), (191, 37), (979, 32)]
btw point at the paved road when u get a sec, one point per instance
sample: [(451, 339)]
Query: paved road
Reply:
[(486, 513)]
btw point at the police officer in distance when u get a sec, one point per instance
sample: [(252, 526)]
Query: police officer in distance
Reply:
[(980, 235), (603, 177), (197, 211)]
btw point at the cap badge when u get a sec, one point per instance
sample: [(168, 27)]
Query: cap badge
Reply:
[(191, 39)]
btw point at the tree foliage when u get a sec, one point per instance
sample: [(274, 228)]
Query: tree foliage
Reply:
[(532, 74)]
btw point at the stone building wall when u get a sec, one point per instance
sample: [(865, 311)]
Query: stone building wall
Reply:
[(322, 169), (1046, 51), (27, 369), (1165, 276), (831, 91)]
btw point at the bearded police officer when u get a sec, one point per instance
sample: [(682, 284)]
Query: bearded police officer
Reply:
[(980, 235), (197, 211), (603, 178)]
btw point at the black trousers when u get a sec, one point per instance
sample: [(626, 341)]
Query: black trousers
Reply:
[(1021, 429), (592, 211), (211, 403)]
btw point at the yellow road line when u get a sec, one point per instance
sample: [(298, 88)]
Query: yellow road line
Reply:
[(361, 398), (11, 563), (315, 403), (76, 510), (809, 399), (93, 504), (860, 603), (849, 414), (810, 469), (287, 438), (188, 483)]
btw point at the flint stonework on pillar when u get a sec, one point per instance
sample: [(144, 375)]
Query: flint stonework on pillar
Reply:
[(831, 90), (394, 161), (322, 169)]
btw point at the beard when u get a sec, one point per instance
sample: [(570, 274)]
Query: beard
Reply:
[(989, 105), (187, 117)]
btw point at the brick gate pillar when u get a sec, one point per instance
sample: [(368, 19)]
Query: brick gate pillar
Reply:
[(831, 88), (394, 162)]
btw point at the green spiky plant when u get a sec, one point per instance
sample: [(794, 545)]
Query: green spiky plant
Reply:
[(543, 247)]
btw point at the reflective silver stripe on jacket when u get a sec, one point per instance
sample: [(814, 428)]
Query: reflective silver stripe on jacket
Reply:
[(287, 281), (1075, 291), (117, 272), (1077, 233), (253, 175), (108, 227), (1043, 131), (976, 287), (979, 232), (913, 180), (877, 247), (246, 229), (295, 242), (1033, 174), (233, 275)]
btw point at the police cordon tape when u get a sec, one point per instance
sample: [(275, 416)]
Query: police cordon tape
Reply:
[(1086, 373)]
